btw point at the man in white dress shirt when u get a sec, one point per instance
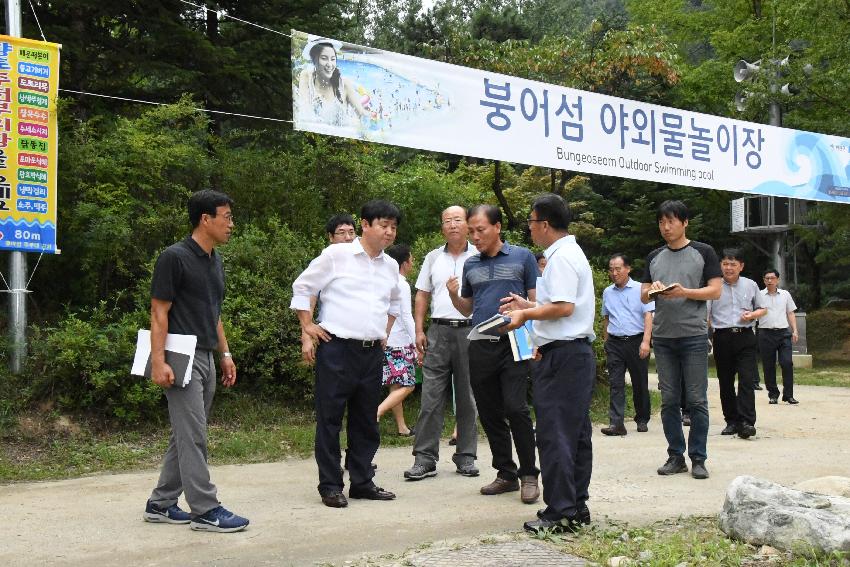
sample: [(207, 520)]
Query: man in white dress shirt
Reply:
[(563, 378), (360, 301), (446, 354), (777, 330)]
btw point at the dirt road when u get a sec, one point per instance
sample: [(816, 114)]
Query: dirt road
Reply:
[(97, 520)]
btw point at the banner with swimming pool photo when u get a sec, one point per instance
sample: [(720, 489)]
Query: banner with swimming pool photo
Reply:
[(348, 90)]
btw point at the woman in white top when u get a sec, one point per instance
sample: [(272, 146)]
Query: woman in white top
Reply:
[(400, 353), (323, 93)]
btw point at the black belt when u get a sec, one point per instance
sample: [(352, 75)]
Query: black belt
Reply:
[(364, 343), (625, 337), (452, 322), (774, 329), (555, 344), (734, 330)]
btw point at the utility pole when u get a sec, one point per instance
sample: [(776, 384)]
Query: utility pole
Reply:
[(17, 260)]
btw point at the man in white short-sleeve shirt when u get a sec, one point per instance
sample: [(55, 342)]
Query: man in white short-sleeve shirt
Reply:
[(444, 354), (777, 330)]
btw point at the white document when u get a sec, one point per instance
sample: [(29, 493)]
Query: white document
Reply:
[(179, 354)]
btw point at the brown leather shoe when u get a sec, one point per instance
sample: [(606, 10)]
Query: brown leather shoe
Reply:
[(500, 486), (614, 430), (529, 492), (335, 500)]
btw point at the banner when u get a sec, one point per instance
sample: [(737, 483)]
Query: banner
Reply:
[(29, 79), (359, 92)]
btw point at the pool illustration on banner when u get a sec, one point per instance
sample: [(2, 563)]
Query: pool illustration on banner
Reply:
[(338, 90)]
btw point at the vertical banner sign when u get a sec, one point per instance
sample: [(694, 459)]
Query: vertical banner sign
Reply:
[(359, 92), (29, 81)]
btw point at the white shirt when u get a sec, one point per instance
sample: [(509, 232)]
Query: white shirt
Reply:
[(358, 292), (778, 306), (436, 270), (568, 278), (403, 332)]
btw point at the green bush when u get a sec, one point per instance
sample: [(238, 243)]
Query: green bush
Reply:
[(263, 332), (83, 364), (827, 330)]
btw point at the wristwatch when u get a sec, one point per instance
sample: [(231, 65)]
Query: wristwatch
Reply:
[(226, 355)]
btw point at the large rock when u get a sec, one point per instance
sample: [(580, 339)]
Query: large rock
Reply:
[(761, 512), (831, 485)]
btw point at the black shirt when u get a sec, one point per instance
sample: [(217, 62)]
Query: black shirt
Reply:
[(193, 281)]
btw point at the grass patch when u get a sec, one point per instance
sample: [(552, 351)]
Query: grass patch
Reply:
[(686, 541), (242, 429), (821, 374)]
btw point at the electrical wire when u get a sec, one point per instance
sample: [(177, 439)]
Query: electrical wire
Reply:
[(226, 15), (140, 101)]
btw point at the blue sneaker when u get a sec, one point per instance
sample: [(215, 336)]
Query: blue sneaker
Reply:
[(219, 520), (171, 515)]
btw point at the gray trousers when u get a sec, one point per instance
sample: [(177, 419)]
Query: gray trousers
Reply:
[(184, 467), (447, 359)]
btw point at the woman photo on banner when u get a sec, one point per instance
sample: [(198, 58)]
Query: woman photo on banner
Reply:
[(324, 95)]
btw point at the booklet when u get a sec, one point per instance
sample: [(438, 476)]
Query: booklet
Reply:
[(492, 325), (179, 354), (653, 293), (521, 343)]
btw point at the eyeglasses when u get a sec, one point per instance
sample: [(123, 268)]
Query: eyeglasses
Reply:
[(447, 222), (530, 220)]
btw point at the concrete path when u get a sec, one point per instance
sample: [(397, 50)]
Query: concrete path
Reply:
[(97, 520)]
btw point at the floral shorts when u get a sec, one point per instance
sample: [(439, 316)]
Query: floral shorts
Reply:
[(398, 366)]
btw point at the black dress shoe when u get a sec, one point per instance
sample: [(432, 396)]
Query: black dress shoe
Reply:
[(730, 429), (745, 431), (569, 525), (641, 427), (582, 514), (773, 401), (758, 387), (335, 500), (791, 401), (370, 493)]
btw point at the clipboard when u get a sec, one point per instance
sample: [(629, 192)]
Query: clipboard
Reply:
[(179, 354)]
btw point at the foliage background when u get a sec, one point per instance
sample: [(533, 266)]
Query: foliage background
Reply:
[(126, 169)]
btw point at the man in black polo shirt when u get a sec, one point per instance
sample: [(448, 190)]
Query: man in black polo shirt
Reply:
[(499, 383), (186, 295)]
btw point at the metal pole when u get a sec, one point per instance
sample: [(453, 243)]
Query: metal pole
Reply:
[(779, 238), (17, 260)]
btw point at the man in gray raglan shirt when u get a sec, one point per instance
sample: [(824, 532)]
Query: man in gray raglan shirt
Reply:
[(684, 274)]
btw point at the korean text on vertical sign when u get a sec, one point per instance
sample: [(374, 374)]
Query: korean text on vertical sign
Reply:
[(29, 81)]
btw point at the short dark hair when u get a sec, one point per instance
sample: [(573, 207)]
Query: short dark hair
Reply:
[(379, 209), (771, 271), (732, 254), (553, 209), (539, 255), (205, 202), (615, 255), (492, 212), (675, 209), (338, 220), (399, 252)]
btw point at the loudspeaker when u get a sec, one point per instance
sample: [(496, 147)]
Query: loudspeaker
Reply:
[(745, 71), (741, 100)]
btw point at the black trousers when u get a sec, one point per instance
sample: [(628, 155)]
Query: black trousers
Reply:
[(563, 385), (775, 343), (500, 386), (736, 353), (347, 374), (622, 355)]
